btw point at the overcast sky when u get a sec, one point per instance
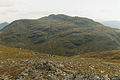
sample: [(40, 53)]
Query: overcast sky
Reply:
[(11, 10)]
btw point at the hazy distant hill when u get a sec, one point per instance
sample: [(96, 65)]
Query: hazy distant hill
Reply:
[(61, 35), (2, 25), (114, 24)]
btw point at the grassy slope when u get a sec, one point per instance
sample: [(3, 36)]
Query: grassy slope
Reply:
[(61, 35), (111, 55), (15, 60)]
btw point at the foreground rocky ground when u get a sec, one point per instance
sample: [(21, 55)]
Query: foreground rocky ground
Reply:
[(58, 68), (27, 65)]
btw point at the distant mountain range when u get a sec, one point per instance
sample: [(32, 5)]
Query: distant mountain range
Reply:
[(113, 24), (2, 25), (61, 35)]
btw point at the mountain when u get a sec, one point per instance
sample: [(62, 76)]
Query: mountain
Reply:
[(114, 24), (61, 35), (2, 25)]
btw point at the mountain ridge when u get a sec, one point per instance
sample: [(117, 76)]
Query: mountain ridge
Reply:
[(61, 35)]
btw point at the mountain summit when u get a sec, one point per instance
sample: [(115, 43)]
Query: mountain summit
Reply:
[(61, 35)]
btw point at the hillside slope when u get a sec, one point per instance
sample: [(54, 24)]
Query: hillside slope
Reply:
[(20, 64), (61, 35), (111, 55)]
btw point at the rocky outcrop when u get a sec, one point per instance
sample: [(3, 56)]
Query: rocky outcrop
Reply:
[(57, 68)]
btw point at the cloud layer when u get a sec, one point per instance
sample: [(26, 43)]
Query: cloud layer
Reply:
[(11, 10), (6, 3)]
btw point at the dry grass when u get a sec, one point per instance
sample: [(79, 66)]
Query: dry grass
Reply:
[(98, 63)]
